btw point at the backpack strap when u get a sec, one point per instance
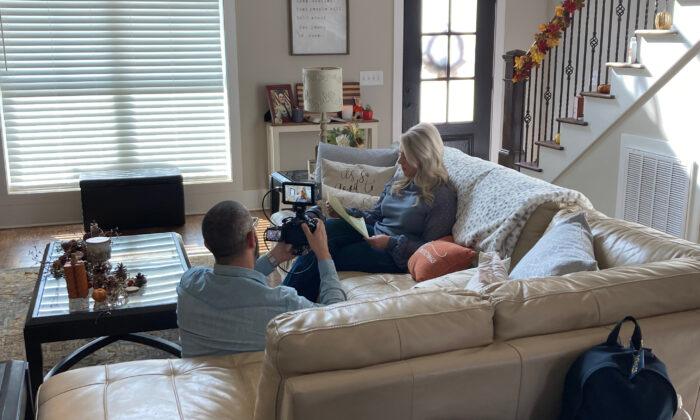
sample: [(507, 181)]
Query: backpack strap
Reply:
[(635, 341)]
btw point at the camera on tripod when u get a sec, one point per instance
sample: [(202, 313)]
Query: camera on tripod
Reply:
[(300, 195)]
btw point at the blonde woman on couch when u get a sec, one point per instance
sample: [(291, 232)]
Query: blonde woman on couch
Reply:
[(416, 207)]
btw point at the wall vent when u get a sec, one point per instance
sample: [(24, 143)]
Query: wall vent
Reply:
[(654, 188)]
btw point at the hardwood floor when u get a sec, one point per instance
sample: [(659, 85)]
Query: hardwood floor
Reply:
[(24, 247)]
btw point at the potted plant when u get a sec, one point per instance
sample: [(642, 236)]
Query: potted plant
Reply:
[(367, 113), (350, 135)]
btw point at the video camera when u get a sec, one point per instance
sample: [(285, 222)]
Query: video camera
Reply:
[(300, 195)]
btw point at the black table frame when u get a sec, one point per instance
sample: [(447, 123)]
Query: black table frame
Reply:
[(109, 326)]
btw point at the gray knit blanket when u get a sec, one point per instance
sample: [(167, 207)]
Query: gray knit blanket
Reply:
[(495, 202)]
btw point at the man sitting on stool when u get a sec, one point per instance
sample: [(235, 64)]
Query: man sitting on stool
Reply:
[(226, 310)]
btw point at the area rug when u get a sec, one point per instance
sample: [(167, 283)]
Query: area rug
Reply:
[(16, 287)]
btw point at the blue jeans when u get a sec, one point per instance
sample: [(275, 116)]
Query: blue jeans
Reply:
[(350, 252)]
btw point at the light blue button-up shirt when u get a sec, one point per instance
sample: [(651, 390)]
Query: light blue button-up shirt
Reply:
[(226, 310)]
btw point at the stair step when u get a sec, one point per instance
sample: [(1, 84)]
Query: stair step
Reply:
[(529, 165), (656, 32), (625, 65), (574, 121), (550, 145), (598, 95)]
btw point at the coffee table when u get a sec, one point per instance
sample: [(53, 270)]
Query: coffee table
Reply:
[(160, 256)]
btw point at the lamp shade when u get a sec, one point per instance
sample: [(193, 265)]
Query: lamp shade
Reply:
[(323, 89)]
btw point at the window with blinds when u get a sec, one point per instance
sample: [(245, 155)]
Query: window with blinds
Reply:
[(96, 85)]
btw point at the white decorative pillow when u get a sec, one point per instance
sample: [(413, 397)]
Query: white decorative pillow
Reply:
[(457, 280), (491, 269), (350, 199), (357, 178)]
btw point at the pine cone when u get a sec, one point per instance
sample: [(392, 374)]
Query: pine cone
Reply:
[(140, 280), (95, 230), (120, 273)]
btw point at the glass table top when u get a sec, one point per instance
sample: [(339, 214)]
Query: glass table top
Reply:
[(159, 256)]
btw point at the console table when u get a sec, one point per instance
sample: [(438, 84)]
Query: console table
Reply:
[(274, 131)]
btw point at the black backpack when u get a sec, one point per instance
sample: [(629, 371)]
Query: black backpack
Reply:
[(611, 381)]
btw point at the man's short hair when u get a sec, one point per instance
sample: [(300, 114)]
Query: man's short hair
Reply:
[(225, 227)]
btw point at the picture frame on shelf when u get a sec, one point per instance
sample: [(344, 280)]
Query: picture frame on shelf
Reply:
[(319, 27), (281, 102)]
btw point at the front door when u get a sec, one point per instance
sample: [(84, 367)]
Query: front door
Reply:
[(447, 70)]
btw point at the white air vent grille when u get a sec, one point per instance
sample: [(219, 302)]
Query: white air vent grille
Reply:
[(655, 190)]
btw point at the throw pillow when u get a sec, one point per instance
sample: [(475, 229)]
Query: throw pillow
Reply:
[(567, 247), (438, 258), (359, 178), (350, 199), (456, 280), (491, 269), (373, 157)]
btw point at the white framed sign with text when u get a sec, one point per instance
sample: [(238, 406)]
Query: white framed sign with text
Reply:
[(318, 27)]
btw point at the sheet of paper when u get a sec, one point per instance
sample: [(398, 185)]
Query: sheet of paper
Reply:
[(357, 223)]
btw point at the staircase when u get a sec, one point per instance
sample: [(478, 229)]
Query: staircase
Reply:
[(534, 112)]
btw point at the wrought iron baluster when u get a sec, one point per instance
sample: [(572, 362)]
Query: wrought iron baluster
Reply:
[(619, 10), (585, 50), (607, 55), (554, 93), (646, 16), (541, 98), (569, 70), (636, 15), (561, 84), (656, 10), (627, 29), (578, 51), (548, 97), (602, 37), (527, 119), (533, 138)]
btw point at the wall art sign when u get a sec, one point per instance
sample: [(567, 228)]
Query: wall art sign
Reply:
[(318, 27)]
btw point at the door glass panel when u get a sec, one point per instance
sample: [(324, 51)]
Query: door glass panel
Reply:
[(433, 100), (461, 101), (462, 53), (435, 16), (434, 57), (463, 15)]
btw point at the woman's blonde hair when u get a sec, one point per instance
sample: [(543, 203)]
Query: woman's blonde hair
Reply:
[(422, 148)]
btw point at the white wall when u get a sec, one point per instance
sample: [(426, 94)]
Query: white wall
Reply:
[(671, 116)]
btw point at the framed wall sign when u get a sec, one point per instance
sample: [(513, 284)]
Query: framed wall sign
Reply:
[(318, 27)]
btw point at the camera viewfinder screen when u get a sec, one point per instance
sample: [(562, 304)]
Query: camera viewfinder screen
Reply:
[(298, 194)]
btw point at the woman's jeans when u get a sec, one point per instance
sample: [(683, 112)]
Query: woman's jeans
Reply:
[(349, 251)]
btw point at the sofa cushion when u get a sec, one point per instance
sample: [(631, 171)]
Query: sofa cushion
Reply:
[(199, 388), (364, 285), (619, 242), (439, 257), (411, 323), (373, 157), (456, 280), (565, 248), (491, 269), (349, 199), (356, 177), (590, 299)]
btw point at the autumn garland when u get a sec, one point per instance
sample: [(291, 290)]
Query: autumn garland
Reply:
[(547, 38)]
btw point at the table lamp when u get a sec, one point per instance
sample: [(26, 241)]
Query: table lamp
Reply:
[(323, 92)]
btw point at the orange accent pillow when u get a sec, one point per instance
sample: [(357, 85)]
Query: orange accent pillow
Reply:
[(438, 258)]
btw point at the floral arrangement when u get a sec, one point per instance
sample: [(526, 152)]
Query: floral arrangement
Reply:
[(547, 38), (350, 135)]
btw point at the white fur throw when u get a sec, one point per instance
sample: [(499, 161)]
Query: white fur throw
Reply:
[(495, 202)]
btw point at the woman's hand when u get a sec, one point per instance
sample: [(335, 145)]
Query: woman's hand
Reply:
[(318, 241), (330, 211), (380, 242)]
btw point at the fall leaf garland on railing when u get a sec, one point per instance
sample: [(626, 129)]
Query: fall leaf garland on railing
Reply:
[(547, 38)]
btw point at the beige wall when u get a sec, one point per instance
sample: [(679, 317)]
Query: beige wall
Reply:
[(263, 58)]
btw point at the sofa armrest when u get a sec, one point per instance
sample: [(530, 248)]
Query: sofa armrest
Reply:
[(594, 298)]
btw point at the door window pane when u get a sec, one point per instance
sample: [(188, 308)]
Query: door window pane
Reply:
[(434, 57), (462, 53), (461, 101), (436, 16), (433, 101), (463, 15)]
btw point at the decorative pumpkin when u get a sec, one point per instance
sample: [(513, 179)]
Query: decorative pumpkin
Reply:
[(99, 295), (663, 20)]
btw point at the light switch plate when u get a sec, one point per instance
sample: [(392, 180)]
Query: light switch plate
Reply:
[(371, 78)]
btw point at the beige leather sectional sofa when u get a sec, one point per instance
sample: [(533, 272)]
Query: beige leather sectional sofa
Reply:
[(397, 352)]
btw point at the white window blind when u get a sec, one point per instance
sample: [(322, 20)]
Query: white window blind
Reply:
[(123, 84)]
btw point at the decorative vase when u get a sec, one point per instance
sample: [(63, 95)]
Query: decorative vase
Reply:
[(297, 115), (99, 249), (663, 20), (367, 114)]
